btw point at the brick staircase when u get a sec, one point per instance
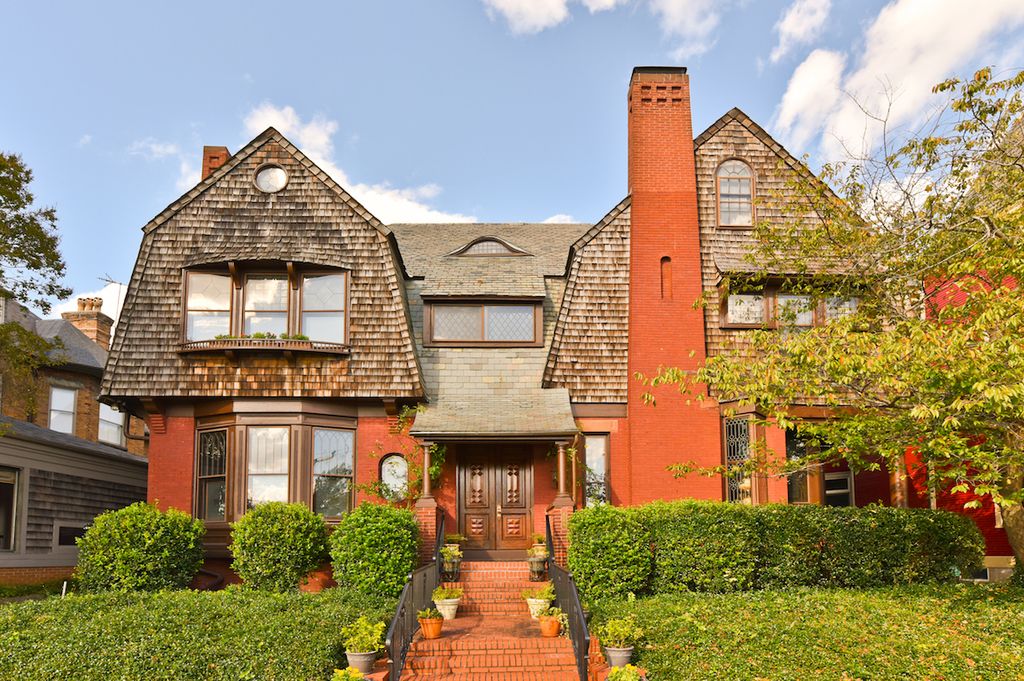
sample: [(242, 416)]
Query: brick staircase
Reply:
[(493, 637)]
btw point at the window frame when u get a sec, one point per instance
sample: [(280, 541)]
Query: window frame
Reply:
[(15, 503), (122, 427), (185, 309), (606, 437), (73, 412), (198, 479), (718, 195), (300, 307), (836, 475), (429, 306)]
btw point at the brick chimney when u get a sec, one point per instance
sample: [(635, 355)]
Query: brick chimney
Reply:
[(213, 158), (89, 320), (665, 282)]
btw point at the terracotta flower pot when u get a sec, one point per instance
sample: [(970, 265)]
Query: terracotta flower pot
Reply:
[(432, 628), (549, 626)]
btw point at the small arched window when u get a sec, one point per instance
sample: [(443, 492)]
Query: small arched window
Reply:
[(735, 194), (489, 245), (394, 477)]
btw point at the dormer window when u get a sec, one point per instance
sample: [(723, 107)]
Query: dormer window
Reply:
[(264, 304), (467, 323), (489, 246), (735, 194)]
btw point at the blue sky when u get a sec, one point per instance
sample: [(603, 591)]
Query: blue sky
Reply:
[(492, 110)]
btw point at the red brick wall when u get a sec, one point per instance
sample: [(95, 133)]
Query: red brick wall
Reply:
[(33, 575), (665, 331), (171, 458)]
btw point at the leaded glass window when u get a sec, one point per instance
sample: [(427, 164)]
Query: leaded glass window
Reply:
[(333, 465), (323, 307), (494, 323), (737, 452), (208, 306), (457, 322), (745, 309), (735, 195), (508, 322), (596, 481), (266, 304), (267, 465), (795, 310), (394, 477), (212, 469), (489, 247)]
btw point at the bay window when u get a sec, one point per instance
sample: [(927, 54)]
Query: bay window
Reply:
[(267, 465), (333, 459), (212, 474), (208, 306), (323, 307), (266, 305)]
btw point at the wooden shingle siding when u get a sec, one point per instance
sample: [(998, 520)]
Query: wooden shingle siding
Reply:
[(225, 218), (588, 350), (69, 500)]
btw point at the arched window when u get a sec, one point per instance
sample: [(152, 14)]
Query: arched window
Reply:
[(394, 477), (489, 245), (735, 194)]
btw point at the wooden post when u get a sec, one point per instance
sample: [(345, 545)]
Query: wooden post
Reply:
[(427, 511), (563, 498), (427, 491)]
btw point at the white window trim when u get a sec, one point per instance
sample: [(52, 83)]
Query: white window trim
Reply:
[(74, 408), (122, 427), (15, 517), (837, 475)]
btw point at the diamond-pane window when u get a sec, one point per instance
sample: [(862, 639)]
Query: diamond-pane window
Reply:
[(489, 246), (509, 322), (494, 323), (457, 322), (323, 307), (333, 463), (266, 304)]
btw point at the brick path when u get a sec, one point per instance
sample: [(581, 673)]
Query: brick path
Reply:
[(493, 637)]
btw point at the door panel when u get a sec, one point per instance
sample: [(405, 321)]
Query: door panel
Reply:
[(496, 497)]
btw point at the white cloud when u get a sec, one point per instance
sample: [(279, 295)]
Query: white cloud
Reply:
[(811, 97), (84, 141), (909, 47), (152, 149), (692, 21), (188, 175), (316, 139), (560, 219), (529, 16), (801, 24)]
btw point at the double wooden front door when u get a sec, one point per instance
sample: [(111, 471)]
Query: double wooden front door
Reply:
[(496, 497)]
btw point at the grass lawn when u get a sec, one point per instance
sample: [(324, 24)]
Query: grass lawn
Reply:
[(949, 633), (232, 634)]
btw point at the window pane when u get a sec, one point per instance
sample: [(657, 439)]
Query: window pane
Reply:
[(332, 451), (66, 536), (324, 326), (457, 322), (394, 477), (207, 325), (62, 422), (209, 291), (213, 453), (836, 308), (795, 310), (8, 504), (62, 399), (211, 499), (838, 490), (264, 488), (597, 465), (111, 425), (745, 309), (266, 293), (509, 322), (266, 322), (737, 451), (268, 450), (331, 496), (323, 292), (488, 247)]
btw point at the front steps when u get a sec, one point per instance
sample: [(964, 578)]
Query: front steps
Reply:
[(493, 637)]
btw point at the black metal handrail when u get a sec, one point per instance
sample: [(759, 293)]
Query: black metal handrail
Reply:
[(567, 598), (417, 594)]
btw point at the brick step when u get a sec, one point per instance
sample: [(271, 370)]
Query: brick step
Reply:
[(500, 659), (496, 675)]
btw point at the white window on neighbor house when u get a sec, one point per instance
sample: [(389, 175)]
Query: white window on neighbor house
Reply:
[(596, 473), (839, 488), (111, 426), (62, 409), (8, 507)]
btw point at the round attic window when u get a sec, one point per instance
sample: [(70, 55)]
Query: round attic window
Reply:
[(271, 179)]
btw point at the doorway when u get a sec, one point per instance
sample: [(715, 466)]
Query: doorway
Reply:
[(495, 499)]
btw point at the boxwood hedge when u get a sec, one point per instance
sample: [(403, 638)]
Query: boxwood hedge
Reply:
[(718, 547), (227, 635), (374, 548), (275, 545)]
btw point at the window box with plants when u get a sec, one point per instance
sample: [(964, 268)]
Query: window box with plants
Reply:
[(447, 600), (431, 622), (363, 640), (262, 342), (619, 636), (539, 599)]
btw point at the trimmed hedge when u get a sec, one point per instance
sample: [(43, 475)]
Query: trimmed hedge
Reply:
[(275, 545), (719, 547), (215, 636), (956, 631), (374, 548), (140, 548), (609, 552)]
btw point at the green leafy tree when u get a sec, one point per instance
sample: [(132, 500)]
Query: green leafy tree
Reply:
[(31, 269), (928, 234)]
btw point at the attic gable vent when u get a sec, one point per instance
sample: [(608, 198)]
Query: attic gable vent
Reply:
[(489, 246)]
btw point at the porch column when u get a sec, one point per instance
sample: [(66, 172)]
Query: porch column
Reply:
[(427, 511), (561, 508), (898, 492)]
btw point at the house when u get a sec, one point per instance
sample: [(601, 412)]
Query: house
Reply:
[(64, 456), (274, 331)]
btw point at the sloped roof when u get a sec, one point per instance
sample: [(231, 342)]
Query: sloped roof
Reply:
[(532, 412), (78, 351), (22, 430), (427, 253)]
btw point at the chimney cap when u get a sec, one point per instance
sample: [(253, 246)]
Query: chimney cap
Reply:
[(660, 70)]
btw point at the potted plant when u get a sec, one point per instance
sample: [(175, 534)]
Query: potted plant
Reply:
[(552, 622), (619, 637), (430, 622), (451, 562), (362, 641), (626, 673), (538, 539), (537, 557), (347, 674), (454, 539), (539, 599), (447, 600)]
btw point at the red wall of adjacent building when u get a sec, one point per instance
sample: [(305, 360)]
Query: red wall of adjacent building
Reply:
[(171, 460)]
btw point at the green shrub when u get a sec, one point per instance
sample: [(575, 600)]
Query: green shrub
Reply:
[(226, 635), (140, 548), (364, 636), (947, 546), (701, 546), (373, 549), (793, 555), (609, 552), (275, 545)]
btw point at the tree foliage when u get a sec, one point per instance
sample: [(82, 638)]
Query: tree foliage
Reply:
[(928, 233)]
